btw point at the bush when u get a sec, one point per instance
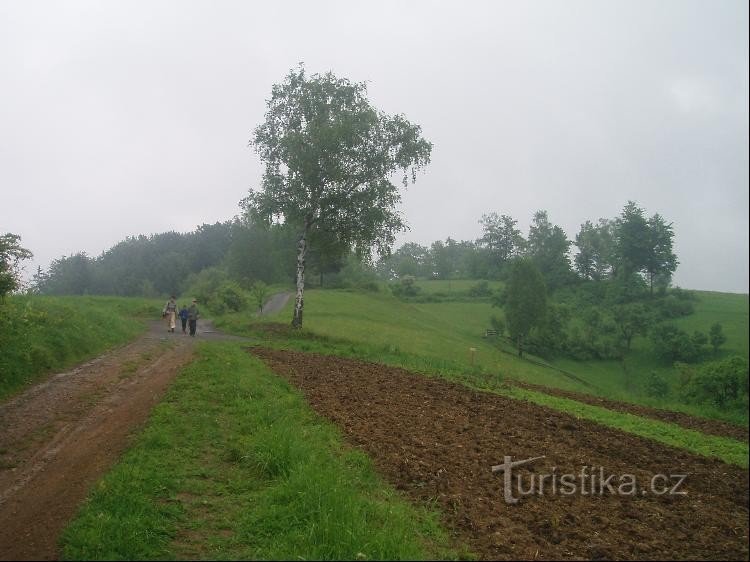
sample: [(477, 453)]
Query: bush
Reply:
[(673, 344), (672, 306), (657, 386), (230, 295), (481, 289), (406, 287), (721, 383), (717, 337)]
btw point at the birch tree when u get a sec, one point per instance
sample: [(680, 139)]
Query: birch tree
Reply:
[(330, 160)]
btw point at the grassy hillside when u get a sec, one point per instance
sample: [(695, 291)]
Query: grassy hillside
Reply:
[(444, 332), (43, 334)]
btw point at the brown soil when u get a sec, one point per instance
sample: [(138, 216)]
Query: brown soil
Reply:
[(711, 427), (436, 441), (60, 436)]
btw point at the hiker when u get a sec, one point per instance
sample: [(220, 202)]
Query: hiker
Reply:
[(170, 313), (193, 316), (184, 317)]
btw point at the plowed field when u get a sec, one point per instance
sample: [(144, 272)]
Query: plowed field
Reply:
[(436, 441)]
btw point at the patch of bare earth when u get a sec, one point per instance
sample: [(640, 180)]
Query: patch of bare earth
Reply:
[(59, 436), (711, 427), (436, 441)]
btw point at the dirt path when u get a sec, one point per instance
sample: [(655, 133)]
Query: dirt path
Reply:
[(712, 427), (59, 436), (436, 441), (276, 303)]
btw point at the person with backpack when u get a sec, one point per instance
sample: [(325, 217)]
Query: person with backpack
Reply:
[(170, 313), (184, 317)]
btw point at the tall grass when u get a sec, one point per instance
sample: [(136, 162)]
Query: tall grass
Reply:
[(42, 334)]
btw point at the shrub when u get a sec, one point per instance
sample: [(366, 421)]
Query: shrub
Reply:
[(406, 287), (717, 337), (673, 344), (721, 383), (672, 306), (657, 386), (481, 289)]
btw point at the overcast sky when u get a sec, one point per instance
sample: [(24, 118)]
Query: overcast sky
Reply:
[(126, 118)]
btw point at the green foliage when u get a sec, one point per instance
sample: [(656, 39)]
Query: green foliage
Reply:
[(215, 291), (595, 257), (11, 254), (547, 247), (406, 287), (481, 289), (717, 337), (501, 238), (525, 301), (234, 465), (657, 386), (674, 344), (260, 293), (139, 266), (498, 324), (329, 156), (720, 383)]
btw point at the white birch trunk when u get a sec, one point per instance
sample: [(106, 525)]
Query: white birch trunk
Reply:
[(299, 300)]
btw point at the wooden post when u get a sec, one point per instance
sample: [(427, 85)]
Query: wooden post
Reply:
[(472, 351)]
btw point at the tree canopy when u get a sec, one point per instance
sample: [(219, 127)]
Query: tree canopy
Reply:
[(330, 158), (11, 254)]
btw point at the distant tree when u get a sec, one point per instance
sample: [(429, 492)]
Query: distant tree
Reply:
[(38, 281), (595, 248), (548, 246), (260, 292), (525, 301), (329, 157), (11, 255), (632, 240), (660, 261), (70, 275), (631, 319), (717, 337), (501, 238)]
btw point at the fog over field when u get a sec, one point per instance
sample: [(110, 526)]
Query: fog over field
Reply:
[(126, 118)]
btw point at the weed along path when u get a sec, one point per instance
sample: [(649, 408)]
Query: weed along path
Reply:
[(437, 442), (59, 436)]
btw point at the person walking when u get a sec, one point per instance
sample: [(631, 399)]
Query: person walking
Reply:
[(184, 318), (170, 313), (193, 315)]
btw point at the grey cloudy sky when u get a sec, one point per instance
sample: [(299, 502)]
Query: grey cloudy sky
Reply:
[(122, 118)]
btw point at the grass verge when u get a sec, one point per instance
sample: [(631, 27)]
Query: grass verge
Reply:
[(724, 448), (42, 334), (234, 465)]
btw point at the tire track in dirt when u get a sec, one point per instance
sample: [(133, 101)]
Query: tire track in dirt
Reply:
[(436, 442), (59, 436)]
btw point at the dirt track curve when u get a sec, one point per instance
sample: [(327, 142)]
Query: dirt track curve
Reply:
[(436, 441), (59, 436)]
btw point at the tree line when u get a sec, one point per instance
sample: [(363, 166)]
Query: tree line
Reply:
[(620, 247)]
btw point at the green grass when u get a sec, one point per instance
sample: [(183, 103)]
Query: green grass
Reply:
[(234, 465), (42, 334), (434, 338), (726, 449)]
